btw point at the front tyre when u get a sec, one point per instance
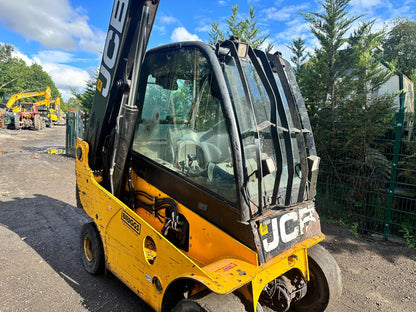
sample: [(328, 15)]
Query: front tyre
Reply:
[(325, 284), (211, 302), (187, 305), (92, 252), (16, 121), (37, 122)]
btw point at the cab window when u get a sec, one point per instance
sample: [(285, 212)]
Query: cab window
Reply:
[(181, 125)]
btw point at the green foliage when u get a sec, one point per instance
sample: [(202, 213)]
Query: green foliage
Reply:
[(350, 124), (245, 29), (354, 229), (5, 52), (400, 46), (410, 236), (74, 104), (215, 34), (298, 49), (329, 28), (16, 76), (407, 167), (355, 119), (362, 56), (86, 98), (12, 71), (39, 79)]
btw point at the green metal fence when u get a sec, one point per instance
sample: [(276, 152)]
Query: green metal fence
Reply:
[(74, 130), (367, 174)]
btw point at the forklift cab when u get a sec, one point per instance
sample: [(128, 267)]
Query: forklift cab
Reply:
[(220, 119)]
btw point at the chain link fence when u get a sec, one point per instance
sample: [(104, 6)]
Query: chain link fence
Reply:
[(367, 175)]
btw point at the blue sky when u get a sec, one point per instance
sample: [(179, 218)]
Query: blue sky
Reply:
[(66, 37)]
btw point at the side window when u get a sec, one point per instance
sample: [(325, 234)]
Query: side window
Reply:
[(182, 126)]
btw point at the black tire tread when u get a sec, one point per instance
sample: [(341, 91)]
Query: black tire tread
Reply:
[(212, 302), (324, 267), (97, 265)]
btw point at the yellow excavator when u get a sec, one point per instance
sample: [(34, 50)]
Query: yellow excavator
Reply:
[(51, 109), (15, 117), (56, 111), (198, 173)]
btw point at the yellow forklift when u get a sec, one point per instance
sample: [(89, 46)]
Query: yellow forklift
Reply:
[(198, 172)]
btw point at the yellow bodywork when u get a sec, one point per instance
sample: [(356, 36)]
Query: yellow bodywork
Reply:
[(53, 107), (140, 256)]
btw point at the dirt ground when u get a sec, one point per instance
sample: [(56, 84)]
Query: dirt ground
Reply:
[(40, 266)]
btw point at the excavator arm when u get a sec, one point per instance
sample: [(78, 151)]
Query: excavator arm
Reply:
[(24, 95)]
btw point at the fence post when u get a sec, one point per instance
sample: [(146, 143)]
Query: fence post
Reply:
[(396, 151), (70, 134), (74, 130)]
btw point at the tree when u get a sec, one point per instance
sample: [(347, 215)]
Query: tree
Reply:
[(73, 104), (13, 75), (16, 76), (400, 46), (365, 76), (298, 49), (39, 79), (245, 29), (365, 59), (329, 28), (349, 123), (86, 98), (12, 71), (5, 52)]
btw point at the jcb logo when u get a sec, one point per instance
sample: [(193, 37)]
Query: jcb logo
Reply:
[(286, 228), (112, 43)]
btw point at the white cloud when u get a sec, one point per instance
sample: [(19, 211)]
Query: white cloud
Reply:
[(284, 14), (181, 34), (164, 19), (297, 27), (360, 5), (53, 23), (203, 27), (64, 76), (54, 56), (161, 29), (16, 53)]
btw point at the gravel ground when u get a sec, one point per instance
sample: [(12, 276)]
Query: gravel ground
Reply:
[(40, 267)]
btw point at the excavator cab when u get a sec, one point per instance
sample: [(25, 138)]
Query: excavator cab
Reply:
[(198, 171)]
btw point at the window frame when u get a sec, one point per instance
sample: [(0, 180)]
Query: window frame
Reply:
[(209, 54)]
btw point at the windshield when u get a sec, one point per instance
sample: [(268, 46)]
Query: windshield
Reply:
[(182, 126), (254, 115), (26, 107)]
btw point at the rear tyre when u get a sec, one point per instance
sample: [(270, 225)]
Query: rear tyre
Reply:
[(325, 284), (92, 252)]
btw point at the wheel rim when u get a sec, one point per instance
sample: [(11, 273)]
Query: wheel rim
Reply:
[(88, 249)]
